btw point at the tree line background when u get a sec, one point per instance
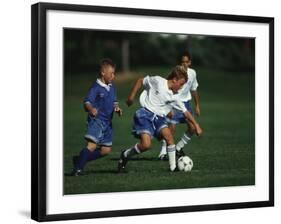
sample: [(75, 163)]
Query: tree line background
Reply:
[(83, 50)]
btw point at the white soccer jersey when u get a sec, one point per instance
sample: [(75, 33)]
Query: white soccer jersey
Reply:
[(190, 85), (158, 98)]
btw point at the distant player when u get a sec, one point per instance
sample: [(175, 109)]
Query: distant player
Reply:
[(100, 103), (188, 91), (150, 119)]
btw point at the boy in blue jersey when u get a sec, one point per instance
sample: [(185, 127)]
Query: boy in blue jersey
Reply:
[(100, 103)]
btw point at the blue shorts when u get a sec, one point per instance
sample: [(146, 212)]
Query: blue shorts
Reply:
[(179, 117), (99, 132), (147, 122)]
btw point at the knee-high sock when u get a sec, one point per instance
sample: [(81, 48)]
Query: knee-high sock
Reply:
[(132, 151), (83, 158), (94, 155), (163, 148), (171, 149), (184, 140)]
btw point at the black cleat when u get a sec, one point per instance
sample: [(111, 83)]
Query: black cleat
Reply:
[(164, 157), (76, 173), (180, 153), (122, 163)]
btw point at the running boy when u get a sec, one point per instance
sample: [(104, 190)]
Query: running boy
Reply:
[(188, 91), (150, 120), (100, 103)]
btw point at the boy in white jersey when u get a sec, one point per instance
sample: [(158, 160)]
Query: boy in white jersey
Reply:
[(188, 91), (150, 120)]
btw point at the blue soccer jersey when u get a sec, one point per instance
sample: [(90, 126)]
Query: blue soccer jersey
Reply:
[(103, 98)]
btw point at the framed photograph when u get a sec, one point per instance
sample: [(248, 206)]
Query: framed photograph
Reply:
[(139, 111)]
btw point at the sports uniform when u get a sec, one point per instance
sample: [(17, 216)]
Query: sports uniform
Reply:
[(185, 96), (103, 98), (157, 100)]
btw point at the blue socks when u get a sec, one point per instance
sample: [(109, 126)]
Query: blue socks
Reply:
[(85, 156), (94, 155)]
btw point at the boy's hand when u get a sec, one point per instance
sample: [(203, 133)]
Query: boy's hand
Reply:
[(129, 101), (93, 112), (118, 110)]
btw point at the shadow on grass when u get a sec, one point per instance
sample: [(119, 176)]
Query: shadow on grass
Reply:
[(139, 159), (93, 172)]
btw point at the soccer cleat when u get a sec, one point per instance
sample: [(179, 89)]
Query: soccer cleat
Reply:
[(163, 157), (76, 173), (175, 170), (122, 163), (180, 153)]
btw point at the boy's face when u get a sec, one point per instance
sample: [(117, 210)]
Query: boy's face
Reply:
[(107, 74), (177, 84), (185, 61)]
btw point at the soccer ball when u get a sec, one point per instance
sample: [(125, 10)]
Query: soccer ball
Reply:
[(185, 164)]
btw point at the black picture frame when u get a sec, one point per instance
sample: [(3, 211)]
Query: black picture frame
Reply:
[(39, 106)]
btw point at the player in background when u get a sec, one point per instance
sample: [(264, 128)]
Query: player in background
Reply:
[(100, 103), (150, 119), (188, 92)]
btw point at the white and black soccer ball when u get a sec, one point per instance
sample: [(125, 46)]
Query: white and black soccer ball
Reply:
[(185, 164)]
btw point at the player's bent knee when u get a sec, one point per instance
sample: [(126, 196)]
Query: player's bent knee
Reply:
[(170, 141), (144, 145), (91, 146), (168, 138)]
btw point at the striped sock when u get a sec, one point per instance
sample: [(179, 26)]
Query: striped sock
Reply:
[(184, 140), (171, 149), (132, 151)]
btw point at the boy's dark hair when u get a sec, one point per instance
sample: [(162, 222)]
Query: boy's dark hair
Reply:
[(178, 72), (106, 62), (185, 53)]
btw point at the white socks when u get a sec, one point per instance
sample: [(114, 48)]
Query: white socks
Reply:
[(132, 151), (184, 140), (171, 149), (163, 148)]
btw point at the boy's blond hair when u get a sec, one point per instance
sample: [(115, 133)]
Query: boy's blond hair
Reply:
[(178, 72)]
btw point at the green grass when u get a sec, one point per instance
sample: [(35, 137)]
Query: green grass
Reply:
[(223, 156)]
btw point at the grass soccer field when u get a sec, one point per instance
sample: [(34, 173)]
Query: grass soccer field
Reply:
[(223, 156)]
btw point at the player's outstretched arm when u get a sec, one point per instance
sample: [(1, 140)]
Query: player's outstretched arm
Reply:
[(138, 84), (189, 117), (195, 96)]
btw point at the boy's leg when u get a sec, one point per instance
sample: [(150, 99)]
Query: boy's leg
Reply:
[(105, 145), (187, 135), (163, 152), (83, 158), (145, 142), (89, 153), (171, 148), (98, 153), (185, 139)]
